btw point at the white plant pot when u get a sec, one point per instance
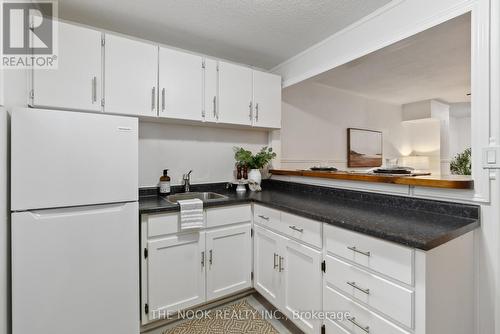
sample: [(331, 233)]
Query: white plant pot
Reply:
[(255, 176)]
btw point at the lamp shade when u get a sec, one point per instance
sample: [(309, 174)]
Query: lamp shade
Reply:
[(415, 161)]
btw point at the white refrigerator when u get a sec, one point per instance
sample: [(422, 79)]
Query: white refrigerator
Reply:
[(75, 230), (4, 224)]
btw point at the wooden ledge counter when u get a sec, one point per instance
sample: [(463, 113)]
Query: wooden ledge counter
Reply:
[(448, 182)]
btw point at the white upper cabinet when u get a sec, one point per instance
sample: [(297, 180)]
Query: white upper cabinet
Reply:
[(131, 75), (181, 85), (235, 94), (228, 271), (210, 78), (76, 83), (266, 100)]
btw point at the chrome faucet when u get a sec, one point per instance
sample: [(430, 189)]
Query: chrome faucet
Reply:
[(187, 181)]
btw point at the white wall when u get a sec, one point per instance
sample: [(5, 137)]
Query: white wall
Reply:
[(460, 128), (207, 151), (315, 119)]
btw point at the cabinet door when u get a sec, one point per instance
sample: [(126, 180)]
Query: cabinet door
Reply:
[(267, 99), (210, 109), (76, 83), (267, 277), (130, 73), (176, 273), (235, 94), (302, 284), (181, 85), (228, 270)]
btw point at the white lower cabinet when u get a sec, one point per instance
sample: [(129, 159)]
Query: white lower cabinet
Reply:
[(288, 274), (302, 285), (361, 284), (180, 270), (357, 284), (176, 273), (229, 260), (267, 275), (360, 319)]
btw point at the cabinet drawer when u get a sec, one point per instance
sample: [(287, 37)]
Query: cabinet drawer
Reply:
[(385, 257), (303, 229), (331, 327), (360, 319), (162, 223), (384, 296), (266, 216), (229, 215)]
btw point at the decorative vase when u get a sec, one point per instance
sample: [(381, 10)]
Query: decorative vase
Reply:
[(255, 176)]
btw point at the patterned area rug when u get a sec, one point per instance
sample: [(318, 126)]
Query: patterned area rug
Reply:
[(239, 318)]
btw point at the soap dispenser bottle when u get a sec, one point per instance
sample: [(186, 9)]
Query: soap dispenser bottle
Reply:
[(165, 183)]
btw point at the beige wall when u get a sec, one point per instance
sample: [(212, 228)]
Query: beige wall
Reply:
[(207, 151), (315, 122)]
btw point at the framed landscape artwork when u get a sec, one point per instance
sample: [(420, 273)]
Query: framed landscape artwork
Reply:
[(364, 148)]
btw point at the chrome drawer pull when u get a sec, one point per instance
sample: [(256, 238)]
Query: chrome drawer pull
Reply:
[(355, 323), (281, 268), (94, 89), (355, 286), (275, 264), (354, 249), (295, 228), (264, 217)]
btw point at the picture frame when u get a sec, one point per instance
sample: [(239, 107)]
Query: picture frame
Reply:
[(364, 148)]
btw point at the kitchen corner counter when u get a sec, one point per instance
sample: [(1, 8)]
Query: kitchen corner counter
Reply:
[(417, 223)]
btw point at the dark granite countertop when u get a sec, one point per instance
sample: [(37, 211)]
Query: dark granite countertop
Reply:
[(418, 223)]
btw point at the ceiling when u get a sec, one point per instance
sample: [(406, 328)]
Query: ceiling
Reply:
[(434, 64), (262, 33)]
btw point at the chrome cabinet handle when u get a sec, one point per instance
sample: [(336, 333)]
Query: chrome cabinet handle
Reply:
[(354, 249), (275, 264), (355, 286), (202, 259), (256, 112), (366, 329), (210, 257), (94, 89), (215, 107), (280, 264), (295, 228), (263, 217), (250, 108), (163, 99), (153, 98)]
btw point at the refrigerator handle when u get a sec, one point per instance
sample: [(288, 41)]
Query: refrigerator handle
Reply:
[(77, 210)]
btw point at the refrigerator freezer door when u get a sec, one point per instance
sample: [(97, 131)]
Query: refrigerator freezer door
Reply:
[(76, 270), (66, 158)]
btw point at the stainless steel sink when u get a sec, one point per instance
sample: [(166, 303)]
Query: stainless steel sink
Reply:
[(206, 196)]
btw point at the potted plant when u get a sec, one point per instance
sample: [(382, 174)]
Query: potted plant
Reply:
[(461, 164), (255, 162)]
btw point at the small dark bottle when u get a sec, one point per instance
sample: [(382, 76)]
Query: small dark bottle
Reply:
[(245, 172), (165, 183), (238, 172)]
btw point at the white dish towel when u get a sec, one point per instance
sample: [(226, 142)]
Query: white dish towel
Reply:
[(191, 214)]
